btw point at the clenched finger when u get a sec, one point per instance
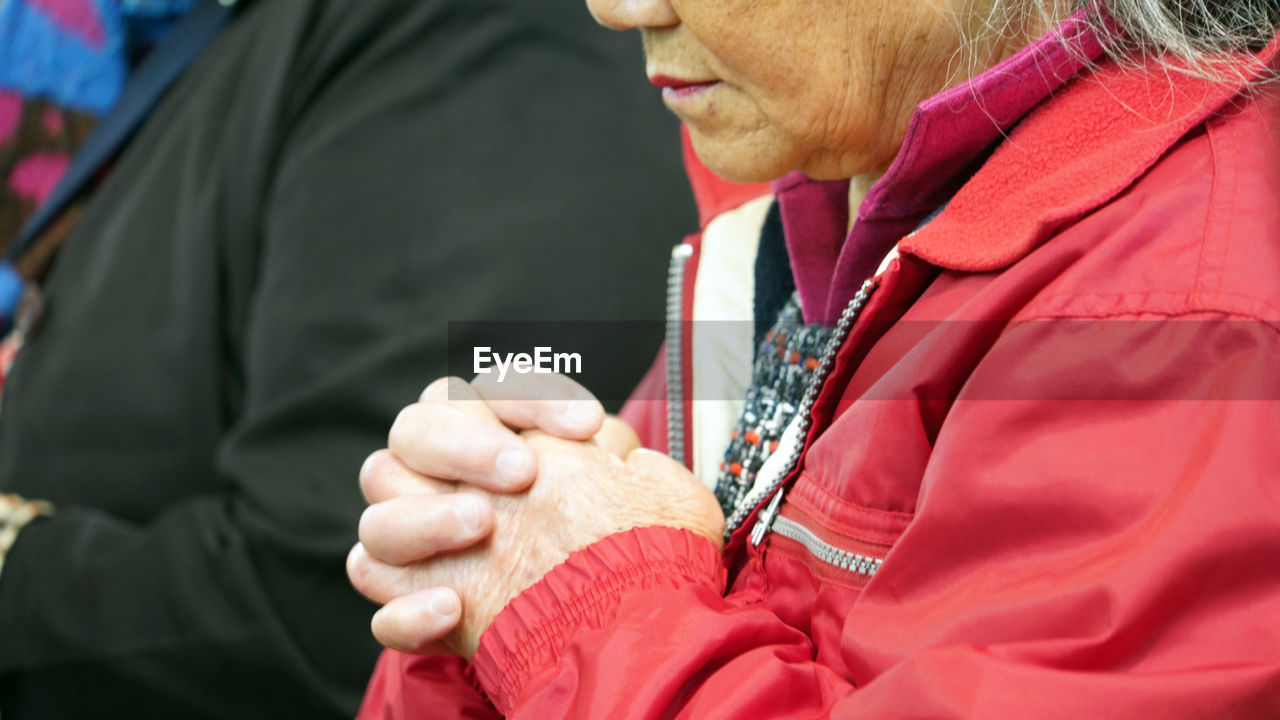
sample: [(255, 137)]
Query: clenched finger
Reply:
[(414, 527), (460, 395), (383, 582), (617, 437), (383, 476), (443, 442), (416, 622), (380, 582), (551, 403)]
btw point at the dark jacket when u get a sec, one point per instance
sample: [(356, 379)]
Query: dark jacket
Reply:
[(264, 278)]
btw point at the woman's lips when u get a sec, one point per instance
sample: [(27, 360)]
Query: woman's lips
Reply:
[(676, 88)]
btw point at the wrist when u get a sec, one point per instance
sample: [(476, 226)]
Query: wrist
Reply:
[(16, 513), (527, 638)]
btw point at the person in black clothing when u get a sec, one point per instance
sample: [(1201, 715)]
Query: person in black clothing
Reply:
[(260, 282)]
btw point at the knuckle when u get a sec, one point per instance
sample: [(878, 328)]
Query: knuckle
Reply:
[(386, 631), (369, 521), (404, 631), (357, 568), (410, 528), (374, 471), (433, 392), (443, 389), (401, 427), (416, 426), (436, 522)]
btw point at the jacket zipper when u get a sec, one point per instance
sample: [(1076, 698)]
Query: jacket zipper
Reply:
[(847, 318), (675, 332), (824, 551)]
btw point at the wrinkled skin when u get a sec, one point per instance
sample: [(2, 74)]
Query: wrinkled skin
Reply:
[(443, 578), (825, 87)]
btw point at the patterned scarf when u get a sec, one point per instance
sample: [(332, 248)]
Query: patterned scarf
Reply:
[(77, 53), (63, 64)]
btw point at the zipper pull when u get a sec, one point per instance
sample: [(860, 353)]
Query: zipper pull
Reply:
[(765, 521)]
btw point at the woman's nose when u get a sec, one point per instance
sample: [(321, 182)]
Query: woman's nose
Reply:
[(631, 14)]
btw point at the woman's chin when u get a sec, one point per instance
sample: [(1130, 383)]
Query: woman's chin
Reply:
[(737, 174), (764, 157), (742, 161)]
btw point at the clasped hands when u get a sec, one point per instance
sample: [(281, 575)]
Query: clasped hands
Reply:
[(477, 497)]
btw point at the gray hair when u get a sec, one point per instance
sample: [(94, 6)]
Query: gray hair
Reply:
[(1203, 38)]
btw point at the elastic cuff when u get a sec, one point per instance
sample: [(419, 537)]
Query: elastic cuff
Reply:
[(583, 592), (16, 512)]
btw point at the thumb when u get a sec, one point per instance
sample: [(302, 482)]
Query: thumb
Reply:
[(617, 437), (656, 463)]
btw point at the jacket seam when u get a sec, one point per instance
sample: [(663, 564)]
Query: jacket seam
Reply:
[(1235, 186), (870, 525), (1046, 299), (853, 505), (1273, 325), (1211, 212)]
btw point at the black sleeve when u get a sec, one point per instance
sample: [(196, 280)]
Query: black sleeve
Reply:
[(477, 161)]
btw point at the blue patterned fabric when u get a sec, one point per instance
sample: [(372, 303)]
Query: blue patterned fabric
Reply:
[(78, 53)]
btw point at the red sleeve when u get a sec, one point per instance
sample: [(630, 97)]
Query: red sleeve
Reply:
[(421, 686), (637, 626), (1069, 558)]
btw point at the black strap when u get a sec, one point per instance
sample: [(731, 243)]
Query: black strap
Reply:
[(179, 48), (774, 282)]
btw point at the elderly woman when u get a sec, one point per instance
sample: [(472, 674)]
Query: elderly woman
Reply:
[(1008, 445)]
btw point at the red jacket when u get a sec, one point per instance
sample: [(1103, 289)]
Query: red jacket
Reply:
[(1041, 478)]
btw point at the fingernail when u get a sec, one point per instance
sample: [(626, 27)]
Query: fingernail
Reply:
[(514, 465), (468, 511), (444, 604), (580, 414)]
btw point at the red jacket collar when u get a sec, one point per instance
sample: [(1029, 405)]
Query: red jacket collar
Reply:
[(1066, 159), (948, 134)]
